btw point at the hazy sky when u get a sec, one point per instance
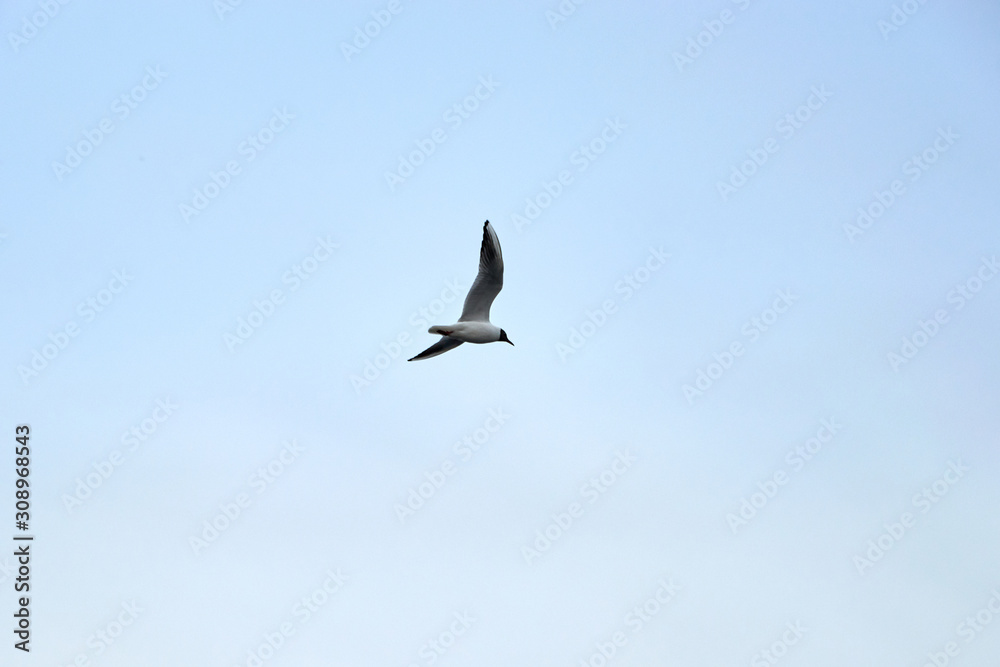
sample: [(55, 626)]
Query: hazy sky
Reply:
[(750, 417)]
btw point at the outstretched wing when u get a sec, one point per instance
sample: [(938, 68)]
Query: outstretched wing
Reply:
[(446, 343), (488, 282)]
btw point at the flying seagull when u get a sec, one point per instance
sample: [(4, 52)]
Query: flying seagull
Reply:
[(474, 324)]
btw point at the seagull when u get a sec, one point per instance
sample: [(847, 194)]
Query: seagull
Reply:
[(474, 324)]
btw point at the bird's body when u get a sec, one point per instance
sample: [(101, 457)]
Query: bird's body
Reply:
[(469, 332), (474, 325)]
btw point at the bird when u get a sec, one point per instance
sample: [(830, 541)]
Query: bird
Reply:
[(474, 325)]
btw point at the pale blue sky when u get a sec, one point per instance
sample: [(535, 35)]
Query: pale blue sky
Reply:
[(314, 199)]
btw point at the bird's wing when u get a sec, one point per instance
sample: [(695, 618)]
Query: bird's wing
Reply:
[(488, 282), (446, 343)]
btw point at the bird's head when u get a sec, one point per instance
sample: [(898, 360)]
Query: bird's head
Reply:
[(503, 337)]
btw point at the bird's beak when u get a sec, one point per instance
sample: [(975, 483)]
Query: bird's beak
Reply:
[(508, 340)]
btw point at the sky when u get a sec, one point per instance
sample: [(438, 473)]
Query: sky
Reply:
[(750, 257)]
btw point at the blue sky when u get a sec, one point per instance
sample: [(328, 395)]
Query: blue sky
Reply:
[(737, 418)]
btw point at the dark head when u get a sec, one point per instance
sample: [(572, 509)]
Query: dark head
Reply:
[(503, 337)]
